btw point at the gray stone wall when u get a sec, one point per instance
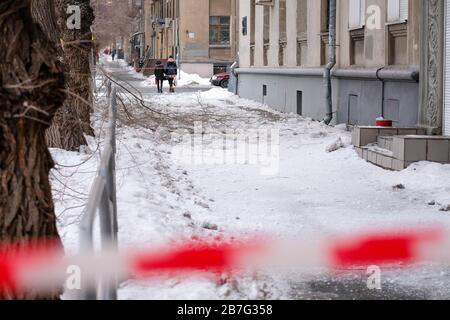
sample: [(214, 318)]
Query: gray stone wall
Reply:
[(356, 101), (282, 92)]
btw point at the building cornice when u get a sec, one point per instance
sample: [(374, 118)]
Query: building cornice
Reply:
[(389, 73)]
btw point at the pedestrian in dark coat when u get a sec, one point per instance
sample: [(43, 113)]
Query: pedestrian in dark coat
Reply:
[(171, 72), (159, 75)]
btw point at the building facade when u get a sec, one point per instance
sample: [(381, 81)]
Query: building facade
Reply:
[(201, 34), (284, 48)]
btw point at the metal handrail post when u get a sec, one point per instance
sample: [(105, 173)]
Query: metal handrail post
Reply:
[(89, 291), (112, 183), (102, 200)]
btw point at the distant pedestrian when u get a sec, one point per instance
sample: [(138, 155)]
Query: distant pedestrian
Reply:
[(159, 75), (171, 72), (113, 53)]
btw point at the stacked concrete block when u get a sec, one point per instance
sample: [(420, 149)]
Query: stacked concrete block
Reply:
[(372, 157), (359, 151), (438, 150), (410, 149), (385, 142), (376, 157), (398, 165), (411, 132), (397, 148), (365, 154), (362, 136), (384, 161)]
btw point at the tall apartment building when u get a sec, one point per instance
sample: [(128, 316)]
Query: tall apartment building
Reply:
[(201, 34), (283, 48)]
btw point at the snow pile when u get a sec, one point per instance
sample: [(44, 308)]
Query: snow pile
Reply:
[(336, 145), (429, 182), (189, 80)]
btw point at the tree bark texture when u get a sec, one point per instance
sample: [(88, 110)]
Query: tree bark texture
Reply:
[(77, 45), (31, 91), (73, 120), (43, 13)]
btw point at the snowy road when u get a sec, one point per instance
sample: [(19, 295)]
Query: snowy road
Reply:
[(313, 193)]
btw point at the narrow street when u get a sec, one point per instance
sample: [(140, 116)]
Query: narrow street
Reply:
[(314, 192)]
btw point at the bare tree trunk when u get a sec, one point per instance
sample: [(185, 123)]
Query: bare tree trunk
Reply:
[(43, 13), (77, 45), (71, 121), (31, 91)]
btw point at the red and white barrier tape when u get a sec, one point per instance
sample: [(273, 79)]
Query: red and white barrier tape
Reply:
[(41, 267)]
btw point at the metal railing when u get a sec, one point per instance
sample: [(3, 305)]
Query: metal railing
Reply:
[(102, 201)]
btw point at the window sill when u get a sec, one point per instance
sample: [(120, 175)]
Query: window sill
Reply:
[(394, 23), (360, 28), (219, 46)]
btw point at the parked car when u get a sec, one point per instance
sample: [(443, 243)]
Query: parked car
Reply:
[(221, 79)]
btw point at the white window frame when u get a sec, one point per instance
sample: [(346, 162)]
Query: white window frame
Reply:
[(356, 14), (397, 10)]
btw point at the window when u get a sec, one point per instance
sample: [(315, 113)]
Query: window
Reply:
[(302, 18), (397, 16), (266, 29), (356, 22), (357, 13), (219, 30), (302, 31), (325, 23), (398, 10), (282, 32), (282, 19), (244, 26), (357, 47), (252, 21), (397, 44), (266, 35), (252, 31)]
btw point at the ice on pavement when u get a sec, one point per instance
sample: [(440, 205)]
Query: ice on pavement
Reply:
[(314, 192)]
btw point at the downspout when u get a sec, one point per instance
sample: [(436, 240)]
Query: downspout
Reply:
[(331, 62), (383, 94)]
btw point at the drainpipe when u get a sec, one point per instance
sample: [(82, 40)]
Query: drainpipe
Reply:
[(331, 61), (382, 90)]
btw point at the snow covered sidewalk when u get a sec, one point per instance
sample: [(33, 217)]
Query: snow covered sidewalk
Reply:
[(164, 198)]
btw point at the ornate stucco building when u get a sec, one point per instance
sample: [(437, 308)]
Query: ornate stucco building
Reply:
[(200, 34), (284, 48)]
